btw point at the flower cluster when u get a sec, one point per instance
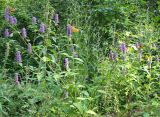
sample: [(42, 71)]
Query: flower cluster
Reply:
[(12, 20), (6, 33), (71, 29), (56, 19), (24, 33), (34, 20), (42, 28), (18, 57)]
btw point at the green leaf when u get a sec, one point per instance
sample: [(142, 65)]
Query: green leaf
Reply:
[(79, 60), (81, 98), (81, 86), (79, 106), (91, 112), (146, 115), (101, 91)]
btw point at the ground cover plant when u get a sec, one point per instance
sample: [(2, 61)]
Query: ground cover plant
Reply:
[(79, 58)]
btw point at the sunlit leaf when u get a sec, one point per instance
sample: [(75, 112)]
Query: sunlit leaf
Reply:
[(91, 112)]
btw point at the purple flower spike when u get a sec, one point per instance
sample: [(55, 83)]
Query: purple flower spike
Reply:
[(29, 48), (56, 19), (123, 48), (42, 28), (14, 21), (17, 78), (11, 19), (18, 57), (7, 14), (34, 20), (6, 33), (69, 30), (24, 33), (66, 64)]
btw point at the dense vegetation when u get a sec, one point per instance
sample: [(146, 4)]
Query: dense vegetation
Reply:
[(79, 58)]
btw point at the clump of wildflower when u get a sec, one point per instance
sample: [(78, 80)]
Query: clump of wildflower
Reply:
[(7, 14), (34, 20), (42, 28), (123, 48), (56, 19), (24, 33), (6, 33), (13, 20), (29, 48), (69, 30), (18, 57), (66, 63), (17, 78)]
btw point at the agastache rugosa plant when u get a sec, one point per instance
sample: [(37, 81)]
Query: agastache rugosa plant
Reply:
[(6, 33), (18, 57), (123, 48), (34, 20), (69, 30), (13, 20), (7, 14), (24, 33), (42, 28)]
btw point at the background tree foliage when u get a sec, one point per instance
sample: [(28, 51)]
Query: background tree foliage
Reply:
[(96, 84)]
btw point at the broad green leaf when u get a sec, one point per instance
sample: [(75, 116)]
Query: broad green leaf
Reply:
[(79, 106), (146, 115), (78, 59), (91, 112), (101, 91)]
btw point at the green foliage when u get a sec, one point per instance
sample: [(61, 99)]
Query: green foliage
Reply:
[(100, 78)]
